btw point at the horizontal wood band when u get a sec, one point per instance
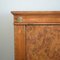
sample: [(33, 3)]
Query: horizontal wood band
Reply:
[(35, 12), (36, 24)]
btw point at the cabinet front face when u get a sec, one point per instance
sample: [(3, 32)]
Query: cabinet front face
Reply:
[(37, 35), (37, 42), (42, 42)]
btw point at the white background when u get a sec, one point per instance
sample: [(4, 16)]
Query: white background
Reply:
[(6, 20)]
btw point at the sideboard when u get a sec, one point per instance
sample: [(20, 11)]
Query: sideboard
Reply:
[(36, 35)]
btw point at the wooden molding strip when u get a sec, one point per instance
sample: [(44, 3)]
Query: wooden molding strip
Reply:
[(35, 12), (37, 23)]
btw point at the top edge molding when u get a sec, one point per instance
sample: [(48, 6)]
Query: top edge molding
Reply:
[(35, 12)]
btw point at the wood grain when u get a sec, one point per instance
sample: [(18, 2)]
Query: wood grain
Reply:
[(35, 12), (37, 37), (43, 42), (19, 36), (37, 16)]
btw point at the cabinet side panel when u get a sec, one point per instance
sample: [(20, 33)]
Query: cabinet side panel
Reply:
[(19, 36)]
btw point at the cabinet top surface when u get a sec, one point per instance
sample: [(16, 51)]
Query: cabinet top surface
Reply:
[(35, 12)]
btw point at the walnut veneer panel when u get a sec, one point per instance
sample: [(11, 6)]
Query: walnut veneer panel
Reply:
[(43, 42)]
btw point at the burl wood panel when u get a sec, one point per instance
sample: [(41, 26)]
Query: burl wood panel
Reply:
[(43, 42), (19, 36)]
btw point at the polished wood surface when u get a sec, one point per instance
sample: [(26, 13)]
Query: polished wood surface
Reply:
[(37, 16), (37, 35), (35, 12), (19, 35), (43, 42)]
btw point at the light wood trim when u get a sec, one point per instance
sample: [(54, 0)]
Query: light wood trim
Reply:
[(35, 12), (19, 42), (36, 23)]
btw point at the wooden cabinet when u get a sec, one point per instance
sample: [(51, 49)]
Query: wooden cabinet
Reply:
[(37, 35)]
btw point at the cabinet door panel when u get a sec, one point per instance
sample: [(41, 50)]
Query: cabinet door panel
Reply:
[(42, 42)]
